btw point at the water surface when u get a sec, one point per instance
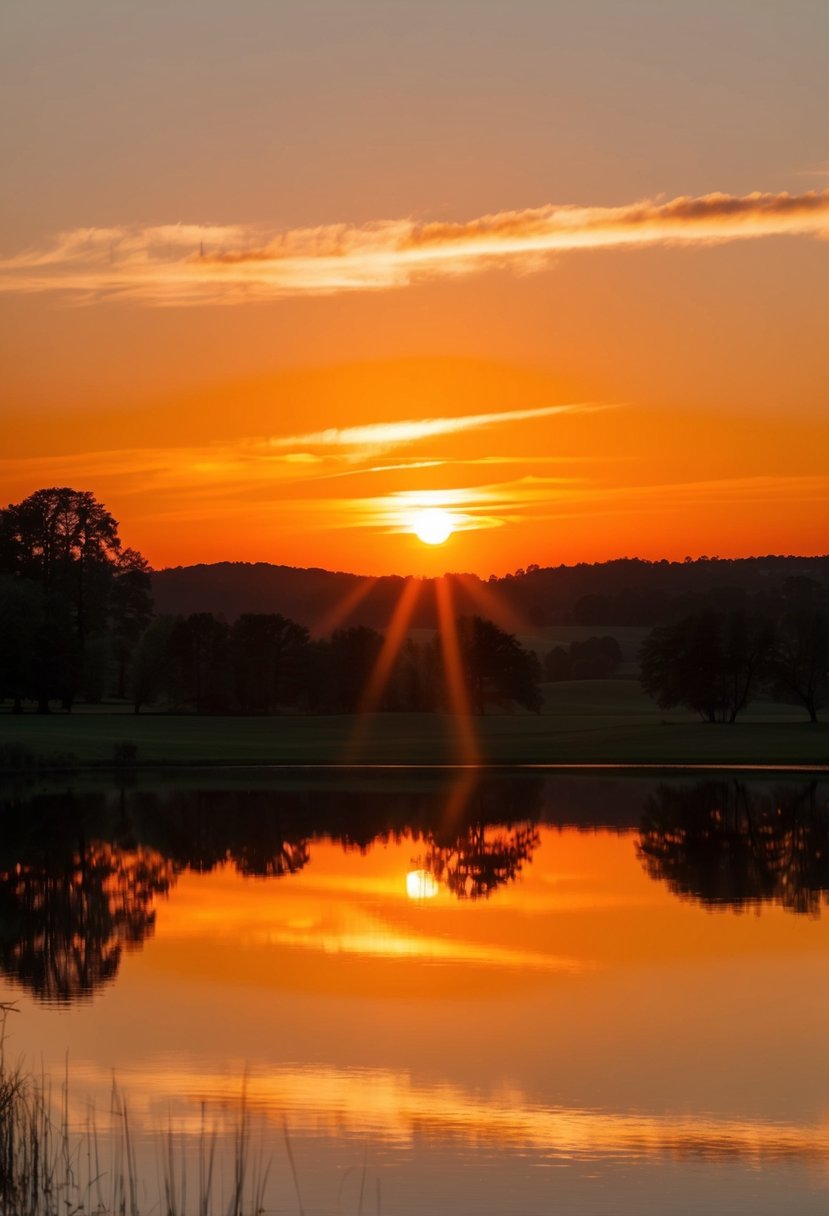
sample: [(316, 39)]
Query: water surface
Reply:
[(460, 994)]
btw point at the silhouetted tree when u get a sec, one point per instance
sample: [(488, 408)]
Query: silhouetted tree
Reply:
[(58, 655), (149, 675), (66, 543), (130, 610), (496, 667), (198, 663), (798, 666), (267, 656), (350, 657), (415, 681), (22, 606), (711, 662)]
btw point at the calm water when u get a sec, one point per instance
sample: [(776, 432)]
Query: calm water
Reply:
[(514, 995)]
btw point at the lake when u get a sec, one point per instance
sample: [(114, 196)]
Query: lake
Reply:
[(440, 993)]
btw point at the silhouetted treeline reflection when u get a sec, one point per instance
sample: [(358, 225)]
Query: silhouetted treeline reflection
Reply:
[(81, 873), (726, 844), (482, 857)]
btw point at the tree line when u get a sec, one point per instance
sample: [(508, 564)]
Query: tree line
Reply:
[(77, 623), (601, 595), (81, 875)]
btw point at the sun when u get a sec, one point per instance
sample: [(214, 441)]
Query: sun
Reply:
[(433, 525)]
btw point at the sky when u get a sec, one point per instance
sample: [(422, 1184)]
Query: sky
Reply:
[(276, 277)]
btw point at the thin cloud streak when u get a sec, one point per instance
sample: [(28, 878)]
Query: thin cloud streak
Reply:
[(188, 264), (545, 498), (384, 435), (264, 461)]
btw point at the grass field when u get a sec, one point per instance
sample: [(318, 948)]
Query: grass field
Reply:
[(596, 721)]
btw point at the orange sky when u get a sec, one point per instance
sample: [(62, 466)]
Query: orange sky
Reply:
[(238, 247)]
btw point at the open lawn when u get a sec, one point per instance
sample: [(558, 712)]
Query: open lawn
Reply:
[(596, 721)]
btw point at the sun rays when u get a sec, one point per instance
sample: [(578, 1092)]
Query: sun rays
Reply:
[(395, 637), (440, 601), (468, 752)]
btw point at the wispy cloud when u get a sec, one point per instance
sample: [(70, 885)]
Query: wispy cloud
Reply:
[(262, 465), (548, 498), (181, 264), (383, 435)]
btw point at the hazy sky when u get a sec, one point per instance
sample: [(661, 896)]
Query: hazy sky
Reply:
[(233, 233)]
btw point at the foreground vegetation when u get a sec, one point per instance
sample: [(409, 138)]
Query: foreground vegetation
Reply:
[(48, 1167)]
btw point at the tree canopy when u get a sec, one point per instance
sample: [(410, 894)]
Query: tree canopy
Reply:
[(87, 600), (711, 662)]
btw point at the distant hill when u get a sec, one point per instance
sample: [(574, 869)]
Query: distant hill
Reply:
[(624, 592)]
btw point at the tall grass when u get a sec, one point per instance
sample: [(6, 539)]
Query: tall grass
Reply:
[(50, 1168)]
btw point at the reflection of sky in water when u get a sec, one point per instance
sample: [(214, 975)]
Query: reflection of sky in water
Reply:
[(583, 1012), (390, 1107)]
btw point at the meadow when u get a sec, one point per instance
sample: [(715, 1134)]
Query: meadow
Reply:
[(582, 722)]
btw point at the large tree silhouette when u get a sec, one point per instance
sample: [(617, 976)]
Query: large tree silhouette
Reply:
[(712, 662), (799, 663), (64, 544)]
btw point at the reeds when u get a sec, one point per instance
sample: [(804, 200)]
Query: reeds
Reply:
[(50, 1168)]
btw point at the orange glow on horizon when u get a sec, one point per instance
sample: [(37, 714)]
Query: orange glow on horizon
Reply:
[(549, 487)]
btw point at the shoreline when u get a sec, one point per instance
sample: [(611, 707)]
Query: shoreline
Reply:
[(323, 768)]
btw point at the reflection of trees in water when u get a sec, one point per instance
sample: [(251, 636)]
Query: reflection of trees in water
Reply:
[(289, 857), (485, 834), (725, 845), (252, 830), (480, 858), (79, 874), (64, 923)]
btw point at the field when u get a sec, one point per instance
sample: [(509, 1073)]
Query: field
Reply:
[(596, 721)]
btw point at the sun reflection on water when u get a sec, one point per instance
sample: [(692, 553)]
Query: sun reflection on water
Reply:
[(420, 884)]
